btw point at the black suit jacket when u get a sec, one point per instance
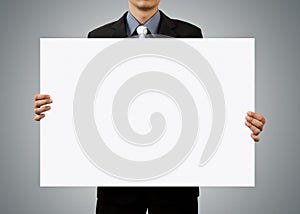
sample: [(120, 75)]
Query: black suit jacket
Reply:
[(169, 27)]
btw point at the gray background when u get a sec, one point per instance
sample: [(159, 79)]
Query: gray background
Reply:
[(274, 24)]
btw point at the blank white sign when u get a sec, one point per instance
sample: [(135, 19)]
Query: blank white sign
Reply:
[(147, 112)]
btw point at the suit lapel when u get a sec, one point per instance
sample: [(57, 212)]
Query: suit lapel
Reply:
[(167, 26), (119, 28)]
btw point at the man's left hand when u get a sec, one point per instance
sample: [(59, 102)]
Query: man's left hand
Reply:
[(256, 123)]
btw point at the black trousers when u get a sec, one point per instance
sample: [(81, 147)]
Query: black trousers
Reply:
[(158, 200)]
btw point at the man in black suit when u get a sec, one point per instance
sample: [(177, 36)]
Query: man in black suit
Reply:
[(158, 200), (167, 26)]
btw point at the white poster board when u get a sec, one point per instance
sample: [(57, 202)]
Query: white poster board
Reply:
[(147, 112)]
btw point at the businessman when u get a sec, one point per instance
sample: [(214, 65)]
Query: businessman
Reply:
[(144, 18)]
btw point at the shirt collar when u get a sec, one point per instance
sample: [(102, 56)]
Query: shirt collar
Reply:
[(152, 24)]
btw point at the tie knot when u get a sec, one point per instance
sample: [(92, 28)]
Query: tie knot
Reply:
[(142, 31)]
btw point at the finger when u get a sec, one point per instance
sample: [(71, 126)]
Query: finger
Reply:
[(254, 130), (255, 122), (39, 103), (42, 109), (257, 116), (41, 96), (255, 138), (39, 117)]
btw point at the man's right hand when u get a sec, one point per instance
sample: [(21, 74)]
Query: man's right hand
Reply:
[(41, 102)]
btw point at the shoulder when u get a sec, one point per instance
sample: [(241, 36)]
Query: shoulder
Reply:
[(102, 31), (186, 29), (179, 28), (110, 29)]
